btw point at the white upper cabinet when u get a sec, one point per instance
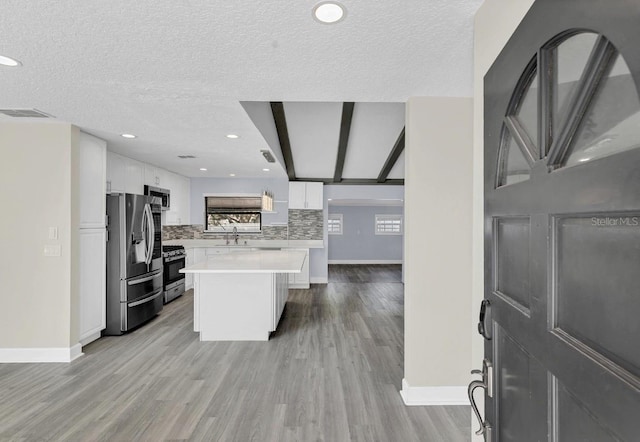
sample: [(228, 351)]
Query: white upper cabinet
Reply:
[(92, 154), (155, 176), (150, 175), (180, 188), (124, 174), (183, 189), (130, 176), (297, 195), (305, 195), (116, 170), (134, 177), (314, 196)]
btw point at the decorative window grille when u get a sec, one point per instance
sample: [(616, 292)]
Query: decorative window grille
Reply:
[(389, 225), (334, 224)]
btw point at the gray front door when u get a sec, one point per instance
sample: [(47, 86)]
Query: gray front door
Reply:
[(562, 230)]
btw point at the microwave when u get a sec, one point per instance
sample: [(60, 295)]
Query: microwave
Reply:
[(164, 195)]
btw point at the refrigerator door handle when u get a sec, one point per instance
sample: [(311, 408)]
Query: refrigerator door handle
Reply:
[(143, 229), (148, 230), (152, 227), (141, 280), (145, 300)]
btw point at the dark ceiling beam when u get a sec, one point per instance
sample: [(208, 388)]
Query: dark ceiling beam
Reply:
[(353, 181), (343, 141), (392, 159), (277, 109)]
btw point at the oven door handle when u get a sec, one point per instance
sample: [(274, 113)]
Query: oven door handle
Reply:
[(174, 258), (145, 300), (148, 278)]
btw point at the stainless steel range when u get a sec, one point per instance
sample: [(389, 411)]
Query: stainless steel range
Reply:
[(174, 282)]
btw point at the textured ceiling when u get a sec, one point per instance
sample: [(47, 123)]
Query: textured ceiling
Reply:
[(173, 73)]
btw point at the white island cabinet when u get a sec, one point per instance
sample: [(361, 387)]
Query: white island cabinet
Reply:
[(241, 296)]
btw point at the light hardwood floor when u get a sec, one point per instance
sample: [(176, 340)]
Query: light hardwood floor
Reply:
[(331, 372)]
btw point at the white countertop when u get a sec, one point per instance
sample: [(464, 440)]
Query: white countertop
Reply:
[(261, 261), (255, 243)]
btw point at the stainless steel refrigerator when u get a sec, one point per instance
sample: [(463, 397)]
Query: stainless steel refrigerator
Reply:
[(134, 261)]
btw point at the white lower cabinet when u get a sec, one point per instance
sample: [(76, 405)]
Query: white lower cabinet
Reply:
[(93, 295), (300, 280), (212, 251)]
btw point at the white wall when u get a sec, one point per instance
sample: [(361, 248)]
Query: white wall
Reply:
[(495, 22), (437, 249), (38, 190)]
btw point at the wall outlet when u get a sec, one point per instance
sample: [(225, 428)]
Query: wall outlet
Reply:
[(52, 250)]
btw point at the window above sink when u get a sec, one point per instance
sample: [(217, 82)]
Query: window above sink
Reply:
[(226, 222), (229, 213)]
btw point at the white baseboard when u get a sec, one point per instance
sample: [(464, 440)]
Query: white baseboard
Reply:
[(31, 355), (456, 395), (319, 280), (365, 261)]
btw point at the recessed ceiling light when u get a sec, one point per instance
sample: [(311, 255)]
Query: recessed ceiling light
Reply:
[(329, 12), (8, 61), (582, 160), (266, 170), (232, 174), (203, 169), (233, 136), (128, 136)]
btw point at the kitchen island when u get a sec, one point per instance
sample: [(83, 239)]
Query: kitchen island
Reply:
[(241, 296)]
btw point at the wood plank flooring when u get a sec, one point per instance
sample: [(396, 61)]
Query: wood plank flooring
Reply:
[(331, 372)]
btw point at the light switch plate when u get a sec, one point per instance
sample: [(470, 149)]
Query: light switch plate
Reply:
[(53, 233), (52, 250)]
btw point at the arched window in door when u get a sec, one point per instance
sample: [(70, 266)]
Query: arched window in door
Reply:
[(583, 107), (519, 139)]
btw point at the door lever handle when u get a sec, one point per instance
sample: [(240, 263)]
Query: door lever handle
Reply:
[(472, 387), (487, 384)]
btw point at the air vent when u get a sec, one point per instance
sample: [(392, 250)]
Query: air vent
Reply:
[(186, 157), (267, 155), (24, 113)]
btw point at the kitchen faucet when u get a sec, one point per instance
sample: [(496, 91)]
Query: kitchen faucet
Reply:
[(226, 234)]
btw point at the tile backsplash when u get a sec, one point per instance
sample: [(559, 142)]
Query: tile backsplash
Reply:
[(306, 224), (303, 225), (194, 231)]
